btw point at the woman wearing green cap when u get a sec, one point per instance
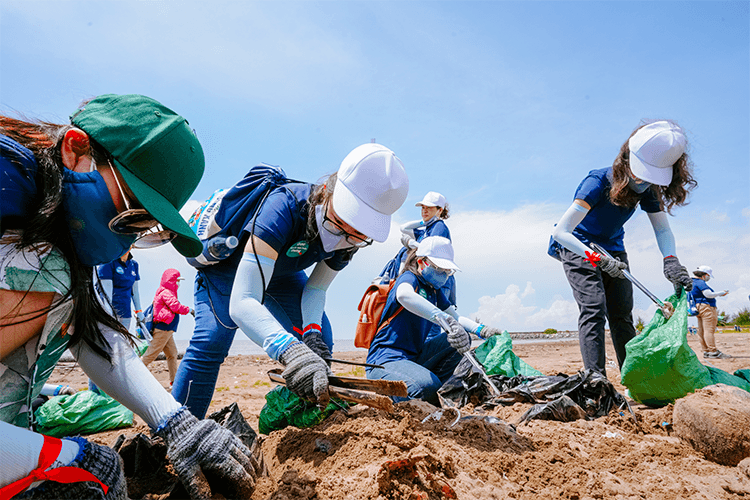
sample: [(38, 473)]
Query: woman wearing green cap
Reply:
[(75, 196)]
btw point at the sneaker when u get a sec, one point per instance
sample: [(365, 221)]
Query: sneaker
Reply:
[(716, 355)]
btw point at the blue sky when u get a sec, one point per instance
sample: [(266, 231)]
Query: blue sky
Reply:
[(501, 106)]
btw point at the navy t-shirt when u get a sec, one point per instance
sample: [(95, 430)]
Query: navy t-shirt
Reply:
[(699, 286), (18, 190), (281, 222), (604, 223), (436, 228), (405, 335), (123, 275)]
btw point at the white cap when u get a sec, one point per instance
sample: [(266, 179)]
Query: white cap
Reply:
[(371, 185), (439, 250), (706, 270), (432, 199), (654, 149)]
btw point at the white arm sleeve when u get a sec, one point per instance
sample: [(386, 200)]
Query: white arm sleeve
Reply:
[(563, 232), (136, 297), (712, 295), (251, 316), (126, 379), (415, 303), (314, 295), (409, 227), (664, 235), (469, 325)]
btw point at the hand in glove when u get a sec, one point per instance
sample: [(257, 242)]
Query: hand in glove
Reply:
[(192, 312), (102, 461), (611, 266), (677, 274), (458, 337), (489, 331), (313, 338), (202, 448), (408, 241), (140, 317), (306, 373)]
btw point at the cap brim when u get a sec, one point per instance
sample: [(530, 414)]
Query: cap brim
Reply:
[(425, 204), (650, 173), (359, 215), (186, 242), (443, 263)]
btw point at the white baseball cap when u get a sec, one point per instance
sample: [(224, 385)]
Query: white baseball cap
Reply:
[(432, 199), (706, 270), (654, 149), (371, 185), (439, 250)]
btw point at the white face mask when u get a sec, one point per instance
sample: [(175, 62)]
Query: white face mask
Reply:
[(330, 241)]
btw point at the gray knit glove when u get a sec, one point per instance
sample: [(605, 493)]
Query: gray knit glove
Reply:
[(458, 337), (306, 374), (677, 274), (314, 340), (103, 462), (201, 449), (612, 266), (489, 331)]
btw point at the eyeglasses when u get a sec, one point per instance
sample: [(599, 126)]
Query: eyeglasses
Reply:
[(429, 263), (335, 229), (138, 221)]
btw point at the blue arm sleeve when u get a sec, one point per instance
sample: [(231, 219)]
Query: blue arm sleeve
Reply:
[(416, 304), (314, 295), (664, 235), (136, 297), (563, 232), (249, 314)]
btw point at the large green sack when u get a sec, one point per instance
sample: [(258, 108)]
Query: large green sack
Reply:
[(497, 356), (284, 408), (84, 412), (659, 365)]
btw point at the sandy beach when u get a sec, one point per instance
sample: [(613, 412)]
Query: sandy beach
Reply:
[(612, 457)]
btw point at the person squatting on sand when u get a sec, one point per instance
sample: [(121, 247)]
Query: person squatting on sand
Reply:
[(652, 170), (406, 344), (167, 311), (75, 196), (264, 290)]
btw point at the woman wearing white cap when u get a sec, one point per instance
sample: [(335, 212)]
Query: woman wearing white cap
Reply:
[(704, 298), (652, 170), (404, 344), (264, 290)]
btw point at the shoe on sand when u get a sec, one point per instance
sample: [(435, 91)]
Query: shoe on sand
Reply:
[(716, 355)]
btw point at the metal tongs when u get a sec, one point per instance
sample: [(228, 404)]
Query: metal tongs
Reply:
[(667, 309)]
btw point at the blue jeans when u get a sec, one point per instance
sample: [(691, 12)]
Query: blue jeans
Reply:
[(426, 373), (214, 332)]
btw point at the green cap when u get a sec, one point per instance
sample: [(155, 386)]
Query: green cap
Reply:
[(156, 152)]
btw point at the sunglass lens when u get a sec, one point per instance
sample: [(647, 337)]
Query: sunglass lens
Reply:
[(132, 221), (156, 239)]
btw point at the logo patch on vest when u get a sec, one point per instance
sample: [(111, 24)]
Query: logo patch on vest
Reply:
[(422, 292), (298, 249)]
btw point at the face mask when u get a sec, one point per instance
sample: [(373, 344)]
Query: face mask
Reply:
[(88, 209), (638, 188), (330, 241), (434, 278)]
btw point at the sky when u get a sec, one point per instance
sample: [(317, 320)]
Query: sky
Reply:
[(501, 106)]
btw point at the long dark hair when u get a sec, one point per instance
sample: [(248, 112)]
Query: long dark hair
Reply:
[(47, 226), (675, 194)]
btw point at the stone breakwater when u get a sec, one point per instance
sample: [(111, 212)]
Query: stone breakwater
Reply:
[(541, 335)]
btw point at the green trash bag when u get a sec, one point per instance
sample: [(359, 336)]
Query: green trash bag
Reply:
[(284, 408), (659, 365), (497, 356), (84, 412)]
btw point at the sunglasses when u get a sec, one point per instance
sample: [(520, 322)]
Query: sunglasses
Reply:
[(335, 229), (429, 263), (138, 221)]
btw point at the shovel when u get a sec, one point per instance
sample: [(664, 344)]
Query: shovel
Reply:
[(667, 309), (474, 362)]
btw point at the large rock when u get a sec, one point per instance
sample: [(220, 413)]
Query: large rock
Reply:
[(715, 421)]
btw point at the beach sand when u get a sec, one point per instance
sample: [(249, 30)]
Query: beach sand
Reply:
[(611, 457)]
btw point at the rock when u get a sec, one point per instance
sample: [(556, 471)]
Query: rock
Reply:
[(744, 466), (715, 421)]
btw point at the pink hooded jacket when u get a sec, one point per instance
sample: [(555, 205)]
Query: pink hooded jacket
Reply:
[(166, 304)]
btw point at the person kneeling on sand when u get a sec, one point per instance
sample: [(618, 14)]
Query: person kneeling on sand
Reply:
[(406, 345), (167, 311)]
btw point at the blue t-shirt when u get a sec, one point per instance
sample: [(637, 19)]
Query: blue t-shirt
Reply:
[(18, 189), (604, 223), (435, 228), (123, 275), (405, 335), (281, 222), (699, 286)]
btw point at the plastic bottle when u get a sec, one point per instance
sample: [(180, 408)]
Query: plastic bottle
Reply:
[(215, 250)]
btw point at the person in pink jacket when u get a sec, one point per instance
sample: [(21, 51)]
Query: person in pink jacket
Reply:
[(167, 311)]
